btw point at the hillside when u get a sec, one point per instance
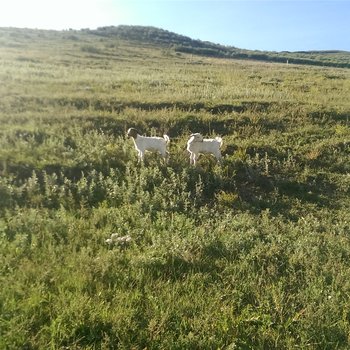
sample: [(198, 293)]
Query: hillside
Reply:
[(182, 43), (178, 43), (249, 253)]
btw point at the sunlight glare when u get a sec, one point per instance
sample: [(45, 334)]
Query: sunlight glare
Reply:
[(62, 14)]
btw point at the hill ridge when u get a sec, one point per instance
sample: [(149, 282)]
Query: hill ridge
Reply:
[(185, 44), (177, 43)]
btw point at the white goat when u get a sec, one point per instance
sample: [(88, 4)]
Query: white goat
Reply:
[(149, 144), (197, 145)]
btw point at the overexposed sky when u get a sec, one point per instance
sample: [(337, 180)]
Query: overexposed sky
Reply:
[(58, 14), (275, 25)]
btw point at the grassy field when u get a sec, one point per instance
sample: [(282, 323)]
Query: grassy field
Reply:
[(250, 254)]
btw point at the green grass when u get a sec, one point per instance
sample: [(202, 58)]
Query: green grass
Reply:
[(249, 254)]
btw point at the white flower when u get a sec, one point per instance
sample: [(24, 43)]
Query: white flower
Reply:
[(114, 236), (115, 239), (124, 239)]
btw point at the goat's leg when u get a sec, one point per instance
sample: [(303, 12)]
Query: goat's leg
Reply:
[(166, 157), (191, 158), (194, 159), (141, 156)]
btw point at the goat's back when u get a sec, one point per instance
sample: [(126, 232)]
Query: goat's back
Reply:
[(205, 146)]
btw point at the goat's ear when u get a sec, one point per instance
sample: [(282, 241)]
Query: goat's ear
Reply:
[(132, 132)]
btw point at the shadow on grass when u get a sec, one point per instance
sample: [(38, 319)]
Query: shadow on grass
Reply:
[(217, 124), (327, 116), (254, 190), (175, 266), (279, 196), (118, 106)]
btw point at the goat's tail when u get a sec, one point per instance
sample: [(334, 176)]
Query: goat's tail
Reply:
[(166, 138), (219, 139)]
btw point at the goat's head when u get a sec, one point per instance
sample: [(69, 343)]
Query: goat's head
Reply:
[(132, 132), (197, 137)]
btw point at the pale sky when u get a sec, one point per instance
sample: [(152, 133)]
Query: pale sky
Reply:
[(274, 25)]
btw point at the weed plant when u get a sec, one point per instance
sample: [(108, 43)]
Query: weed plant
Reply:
[(250, 254)]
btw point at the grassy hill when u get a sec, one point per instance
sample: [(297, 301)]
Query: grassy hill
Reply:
[(181, 43), (249, 254)]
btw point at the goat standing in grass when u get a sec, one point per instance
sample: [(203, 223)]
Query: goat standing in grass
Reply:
[(149, 144), (197, 145)]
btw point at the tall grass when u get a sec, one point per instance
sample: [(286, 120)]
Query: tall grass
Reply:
[(249, 254)]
